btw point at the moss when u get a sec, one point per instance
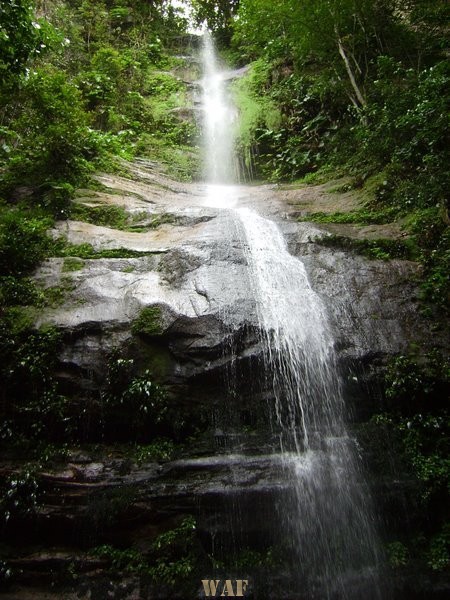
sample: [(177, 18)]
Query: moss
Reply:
[(72, 263), (359, 217), (180, 161), (104, 215), (148, 322), (61, 248), (56, 295), (154, 223), (128, 269), (382, 249), (116, 217), (256, 111)]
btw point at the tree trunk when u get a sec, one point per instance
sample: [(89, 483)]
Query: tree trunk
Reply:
[(351, 76)]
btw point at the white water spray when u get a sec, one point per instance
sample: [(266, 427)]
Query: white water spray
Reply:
[(327, 517)]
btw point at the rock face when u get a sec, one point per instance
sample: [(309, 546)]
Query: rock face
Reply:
[(202, 344), (195, 270)]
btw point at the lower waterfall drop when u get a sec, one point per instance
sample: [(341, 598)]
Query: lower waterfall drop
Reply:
[(328, 517)]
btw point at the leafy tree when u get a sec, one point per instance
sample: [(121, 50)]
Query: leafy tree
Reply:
[(345, 34), (217, 15), (50, 139), (19, 37)]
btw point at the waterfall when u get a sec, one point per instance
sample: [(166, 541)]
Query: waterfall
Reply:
[(219, 117), (327, 517)]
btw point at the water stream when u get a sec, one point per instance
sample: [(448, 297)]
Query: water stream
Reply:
[(327, 518)]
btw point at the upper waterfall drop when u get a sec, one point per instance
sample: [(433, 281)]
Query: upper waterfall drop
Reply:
[(219, 117)]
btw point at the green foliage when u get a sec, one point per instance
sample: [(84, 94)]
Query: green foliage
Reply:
[(52, 142), (249, 558), (436, 260), (418, 425), (148, 322), (171, 559), (18, 292), (435, 551), (161, 449), (407, 131), (145, 399), (397, 554), (32, 407), (19, 495), (286, 118), (363, 86), (134, 406), (415, 432), (411, 381), (128, 560), (174, 553), (416, 392), (23, 242), (19, 37), (96, 91), (439, 550), (217, 15)]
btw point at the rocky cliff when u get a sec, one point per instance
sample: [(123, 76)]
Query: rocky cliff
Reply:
[(169, 295)]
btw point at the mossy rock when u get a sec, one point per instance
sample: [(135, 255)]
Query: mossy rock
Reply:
[(149, 322)]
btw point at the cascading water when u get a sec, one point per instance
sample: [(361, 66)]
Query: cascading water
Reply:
[(326, 517)]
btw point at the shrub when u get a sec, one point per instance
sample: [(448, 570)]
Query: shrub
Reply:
[(134, 406), (23, 242), (31, 402)]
